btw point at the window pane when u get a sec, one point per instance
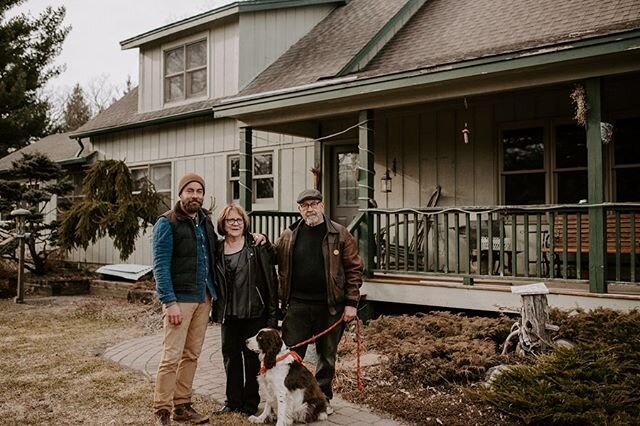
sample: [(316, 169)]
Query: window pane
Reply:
[(197, 55), (197, 82), (626, 141), (161, 177), (526, 188), (235, 190), (627, 187), (174, 61), (262, 164), (137, 175), (235, 167), (264, 188), (174, 88), (523, 149), (347, 184), (165, 204), (571, 146), (572, 187)]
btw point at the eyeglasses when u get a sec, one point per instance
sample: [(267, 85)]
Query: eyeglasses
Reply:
[(311, 205), (234, 221)]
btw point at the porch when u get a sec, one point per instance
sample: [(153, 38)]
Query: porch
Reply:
[(468, 257)]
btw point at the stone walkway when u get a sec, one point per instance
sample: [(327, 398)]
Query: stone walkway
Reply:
[(143, 354)]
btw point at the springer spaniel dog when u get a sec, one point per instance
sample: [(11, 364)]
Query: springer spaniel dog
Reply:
[(292, 393)]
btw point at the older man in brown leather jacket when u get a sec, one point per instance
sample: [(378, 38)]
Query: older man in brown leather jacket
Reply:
[(320, 274)]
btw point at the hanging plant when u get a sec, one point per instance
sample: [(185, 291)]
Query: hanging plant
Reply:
[(579, 98)]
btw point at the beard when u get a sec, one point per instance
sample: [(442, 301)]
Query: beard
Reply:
[(314, 220), (192, 206)]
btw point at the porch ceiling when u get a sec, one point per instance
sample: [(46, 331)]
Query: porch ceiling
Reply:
[(578, 61)]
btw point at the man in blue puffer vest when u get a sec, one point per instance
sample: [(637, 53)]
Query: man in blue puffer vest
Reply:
[(184, 241)]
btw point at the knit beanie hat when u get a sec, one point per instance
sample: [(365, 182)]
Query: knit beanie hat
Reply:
[(187, 179)]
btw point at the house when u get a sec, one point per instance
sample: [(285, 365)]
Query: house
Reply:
[(464, 141)]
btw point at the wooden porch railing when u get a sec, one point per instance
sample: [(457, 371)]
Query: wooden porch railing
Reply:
[(504, 241), (272, 223), (547, 241)]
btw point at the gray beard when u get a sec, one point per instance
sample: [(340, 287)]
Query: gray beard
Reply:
[(314, 220)]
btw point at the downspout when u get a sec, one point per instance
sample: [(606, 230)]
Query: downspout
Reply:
[(79, 141)]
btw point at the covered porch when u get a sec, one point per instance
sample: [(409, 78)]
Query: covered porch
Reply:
[(526, 192)]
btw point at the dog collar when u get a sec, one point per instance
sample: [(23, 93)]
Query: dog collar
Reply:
[(282, 357)]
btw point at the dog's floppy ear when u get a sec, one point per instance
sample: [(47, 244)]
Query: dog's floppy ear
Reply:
[(272, 343)]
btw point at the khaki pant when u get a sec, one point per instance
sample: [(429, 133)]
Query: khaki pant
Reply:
[(181, 349)]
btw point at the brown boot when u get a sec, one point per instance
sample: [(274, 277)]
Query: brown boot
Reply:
[(163, 418), (186, 413)]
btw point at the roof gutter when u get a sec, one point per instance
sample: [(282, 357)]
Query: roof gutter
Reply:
[(339, 89)]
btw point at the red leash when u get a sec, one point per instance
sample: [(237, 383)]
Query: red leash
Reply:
[(334, 325)]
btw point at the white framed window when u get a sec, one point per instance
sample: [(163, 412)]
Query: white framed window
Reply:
[(185, 71), (64, 203), (263, 178), (161, 178)]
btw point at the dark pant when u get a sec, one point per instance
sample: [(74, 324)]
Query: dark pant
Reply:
[(302, 321), (241, 364)]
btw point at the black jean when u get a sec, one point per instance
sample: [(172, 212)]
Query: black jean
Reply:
[(302, 321), (241, 364)]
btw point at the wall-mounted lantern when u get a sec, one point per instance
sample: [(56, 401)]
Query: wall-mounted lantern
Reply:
[(385, 180)]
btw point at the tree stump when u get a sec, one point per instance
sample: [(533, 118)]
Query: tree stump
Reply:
[(532, 329)]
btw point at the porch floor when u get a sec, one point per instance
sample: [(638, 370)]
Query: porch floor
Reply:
[(491, 294)]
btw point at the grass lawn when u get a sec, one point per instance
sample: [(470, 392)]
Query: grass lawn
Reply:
[(52, 372)]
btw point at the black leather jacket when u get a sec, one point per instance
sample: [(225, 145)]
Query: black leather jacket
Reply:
[(262, 299)]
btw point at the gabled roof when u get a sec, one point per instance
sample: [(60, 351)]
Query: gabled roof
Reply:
[(59, 147), (378, 45), (205, 18), (442, 32)]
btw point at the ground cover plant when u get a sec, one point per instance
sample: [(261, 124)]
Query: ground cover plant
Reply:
[(432, 369), (595, 382)]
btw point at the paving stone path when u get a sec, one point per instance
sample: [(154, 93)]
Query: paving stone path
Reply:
[(143, 354)]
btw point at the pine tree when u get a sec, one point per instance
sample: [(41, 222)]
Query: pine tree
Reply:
[(110, 208), (36, 180), (27, 49), (77, 110)]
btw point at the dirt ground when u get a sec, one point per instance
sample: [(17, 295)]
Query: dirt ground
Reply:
[(420, 369), (52, 372)]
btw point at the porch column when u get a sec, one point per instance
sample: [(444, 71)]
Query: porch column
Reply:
[(595, 172), (246, 177), (365, 185)]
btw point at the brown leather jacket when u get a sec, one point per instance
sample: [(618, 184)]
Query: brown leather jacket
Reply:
[(341, 259)]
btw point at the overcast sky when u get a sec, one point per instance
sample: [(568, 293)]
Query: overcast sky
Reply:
[(92, 48)]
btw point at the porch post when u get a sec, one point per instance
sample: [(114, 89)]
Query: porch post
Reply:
[(246, 177), (365, 185), (595, 172)]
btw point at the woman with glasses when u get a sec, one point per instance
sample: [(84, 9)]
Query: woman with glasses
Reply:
[(246, 282)]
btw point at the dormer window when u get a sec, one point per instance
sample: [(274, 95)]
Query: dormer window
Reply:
[(185, 72)]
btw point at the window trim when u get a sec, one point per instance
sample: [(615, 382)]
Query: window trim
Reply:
[(262, 202), (183, 43), (549, 168), (168, 191), (611, 177)]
